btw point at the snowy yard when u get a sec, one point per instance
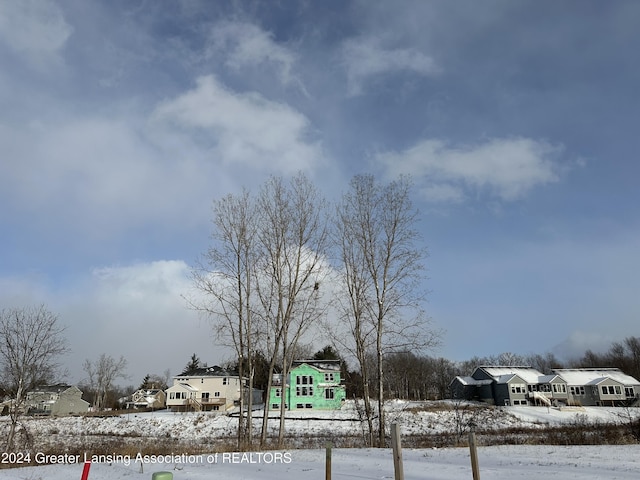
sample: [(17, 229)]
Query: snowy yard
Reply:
[(506, 462), (496, 462)]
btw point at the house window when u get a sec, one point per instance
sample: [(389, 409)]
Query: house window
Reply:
[(628, 392), (308, 405), (225, 381), (304, 391), (328, 377), (604, 389), (216, 394), (329, 394), (304, 380), (205, 395), (299, 405), (215, 407), (518, 388), (172, 395), (275, 406), (611, 391), (278, 392), (618, 390)]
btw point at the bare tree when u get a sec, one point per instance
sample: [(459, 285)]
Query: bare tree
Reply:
[(102, 374), (226, 276), (293, 243), (31, 340), (383, 273)]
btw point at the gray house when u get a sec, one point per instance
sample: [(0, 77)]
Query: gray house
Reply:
[(600, 387), (506, 385), (501, 385), (56, 400)]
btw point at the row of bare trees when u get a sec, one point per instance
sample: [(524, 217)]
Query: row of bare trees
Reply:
[(284, 260)]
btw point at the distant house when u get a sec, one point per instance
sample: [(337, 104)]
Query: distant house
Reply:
[(149, 398), (523, 385), (600, 386), (56, 400), (311, 384), (206, 389)]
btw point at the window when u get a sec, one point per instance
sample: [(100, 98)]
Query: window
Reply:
[(216, 394), (172, 395), (576, 390), (304, 391), (611, 390), (225, 381), (328, 377), (275, 406), (604, 389), (304, 380), (518, 388), (278, 393), (618, 390), (629, 392), (299, 405), (329, 394), (215, 407), (308, 405), (205, 395)]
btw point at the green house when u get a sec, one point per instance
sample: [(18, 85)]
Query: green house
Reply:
[(310, 384)]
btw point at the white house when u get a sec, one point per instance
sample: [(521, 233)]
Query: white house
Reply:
[(204, 389)]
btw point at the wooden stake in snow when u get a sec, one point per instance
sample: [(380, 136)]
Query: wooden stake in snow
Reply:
[(475, 469), (328, 462), (397, 452)]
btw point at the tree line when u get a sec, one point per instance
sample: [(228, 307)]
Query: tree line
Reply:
[(32, 342)]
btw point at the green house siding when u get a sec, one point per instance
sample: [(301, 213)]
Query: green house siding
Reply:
[(308, 387)]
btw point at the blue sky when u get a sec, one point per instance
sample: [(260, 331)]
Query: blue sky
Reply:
[(121, 122)]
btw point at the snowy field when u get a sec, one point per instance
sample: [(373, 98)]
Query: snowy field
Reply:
[(506, 462), (496, 462)]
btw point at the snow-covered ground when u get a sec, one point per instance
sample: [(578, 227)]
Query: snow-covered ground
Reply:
[(522, 461), (505, 462)]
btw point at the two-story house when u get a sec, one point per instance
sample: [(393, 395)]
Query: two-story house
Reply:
[(56, 400), (206, 389), (310, 384)]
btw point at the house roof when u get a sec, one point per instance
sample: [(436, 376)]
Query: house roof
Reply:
[(325, 365), (472, 381), (58, 388), (585, 376), (502, 374), (184, 386), (214, 371)]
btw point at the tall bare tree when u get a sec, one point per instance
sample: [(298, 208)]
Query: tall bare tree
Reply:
[(293, 244), (31, 340), (226, 276), (102, 373), (383, 271)]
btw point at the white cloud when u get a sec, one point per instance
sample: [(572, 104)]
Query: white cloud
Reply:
[(135, 310), (35, 29), (506, 168), (243, 128), (247, 45), (101, 175), (366, 57)]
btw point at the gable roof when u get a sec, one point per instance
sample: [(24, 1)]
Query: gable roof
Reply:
[(585, 376), (502, 374)]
